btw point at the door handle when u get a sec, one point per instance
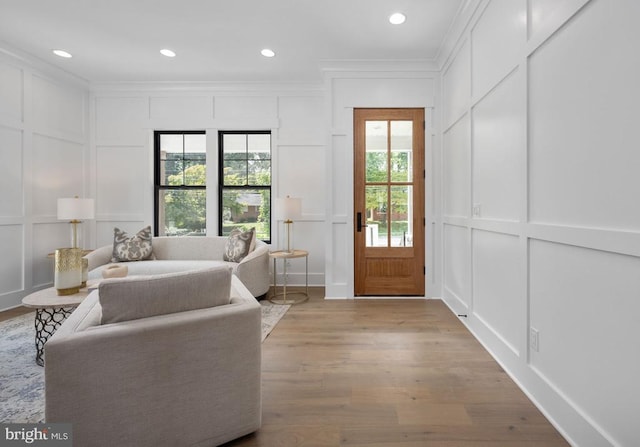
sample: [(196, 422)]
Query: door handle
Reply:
[(359, 223)]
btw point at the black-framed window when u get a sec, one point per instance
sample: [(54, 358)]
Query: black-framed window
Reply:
[(245, 182), (180, 183)]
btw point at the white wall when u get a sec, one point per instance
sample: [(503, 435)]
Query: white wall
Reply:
[(106, 136), (124, 118), (541, 220), (346, 90), (43, 145)]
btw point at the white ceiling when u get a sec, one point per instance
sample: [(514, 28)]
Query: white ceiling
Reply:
[(220, 40)]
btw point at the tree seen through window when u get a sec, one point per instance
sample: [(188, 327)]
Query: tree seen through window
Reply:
[(180, 182), (245, 182)]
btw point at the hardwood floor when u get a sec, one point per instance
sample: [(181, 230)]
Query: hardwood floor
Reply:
[(383, 373), (15, 312)]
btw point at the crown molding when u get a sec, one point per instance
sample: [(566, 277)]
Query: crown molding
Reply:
[(13, 55), (456, 31), (207, 87), (378, 65)]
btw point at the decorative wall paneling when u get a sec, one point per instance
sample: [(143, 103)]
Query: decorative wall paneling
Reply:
[(541, 229), (43, 146), (122, 150)]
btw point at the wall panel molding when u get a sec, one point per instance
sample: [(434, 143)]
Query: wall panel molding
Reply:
[(563, 257), (623, 242)]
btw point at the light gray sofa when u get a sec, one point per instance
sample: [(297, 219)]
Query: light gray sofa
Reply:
[(177, 254), (189, 378)]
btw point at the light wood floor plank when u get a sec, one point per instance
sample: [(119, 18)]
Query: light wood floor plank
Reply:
[(15, 312), (386, 373)]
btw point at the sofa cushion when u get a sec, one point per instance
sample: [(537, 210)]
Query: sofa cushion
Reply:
[(136, 297), (189, 247), (239, 245), (134, 248), (160, 267)]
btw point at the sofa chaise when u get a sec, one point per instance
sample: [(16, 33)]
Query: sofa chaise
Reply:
[(177, 254)]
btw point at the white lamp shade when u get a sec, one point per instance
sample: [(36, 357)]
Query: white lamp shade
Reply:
[(289, 208), (75, 209)]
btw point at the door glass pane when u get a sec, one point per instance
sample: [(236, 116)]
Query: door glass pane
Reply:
[(182, 212), (376, 151), (245, 209), (401, 216), (401, 150), (376, 216)]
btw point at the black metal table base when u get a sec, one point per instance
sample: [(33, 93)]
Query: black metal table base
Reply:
[(47, 323)]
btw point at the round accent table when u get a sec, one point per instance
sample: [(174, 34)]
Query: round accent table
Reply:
[(51, 311), (300, 297)]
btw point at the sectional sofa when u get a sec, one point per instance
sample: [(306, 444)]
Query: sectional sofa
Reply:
[(179, 254)]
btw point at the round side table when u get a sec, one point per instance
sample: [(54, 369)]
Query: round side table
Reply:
[(51, 311), (300, 297)]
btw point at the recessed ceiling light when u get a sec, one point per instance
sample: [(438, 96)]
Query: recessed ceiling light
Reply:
[(167, 52), (62, 53), (267, 52), (397, 18)]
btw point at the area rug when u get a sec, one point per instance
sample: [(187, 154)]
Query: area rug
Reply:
[(271, 314), (22, 381)]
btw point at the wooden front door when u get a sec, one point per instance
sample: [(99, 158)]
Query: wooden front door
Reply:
[(389, 202)]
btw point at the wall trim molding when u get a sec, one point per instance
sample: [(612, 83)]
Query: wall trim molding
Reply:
[(41, 68), (208, 87)]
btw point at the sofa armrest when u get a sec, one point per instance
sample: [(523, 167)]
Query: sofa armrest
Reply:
[(253, 270), (259, 251), (100, 256)]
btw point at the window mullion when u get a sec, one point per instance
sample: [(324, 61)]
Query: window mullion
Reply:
[(184, 180), (246, 159)]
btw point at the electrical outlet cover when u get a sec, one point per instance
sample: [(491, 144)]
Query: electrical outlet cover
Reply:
[(534, 339)]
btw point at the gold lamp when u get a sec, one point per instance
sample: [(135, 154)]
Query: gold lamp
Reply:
[(70, 273)]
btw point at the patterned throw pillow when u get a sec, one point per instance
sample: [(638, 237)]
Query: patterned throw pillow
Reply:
[(238, 245), (135, 248)]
